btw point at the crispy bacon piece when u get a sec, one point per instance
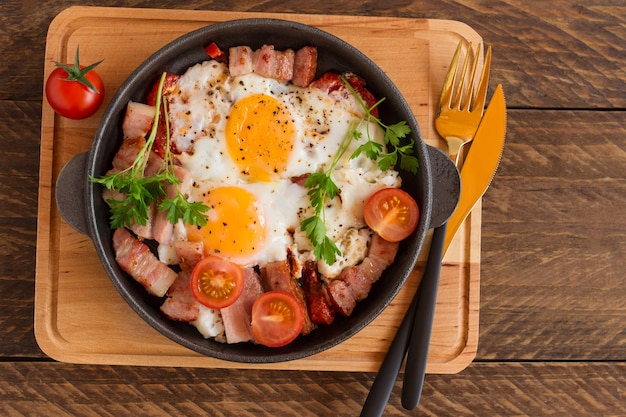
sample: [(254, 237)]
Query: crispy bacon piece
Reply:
[(269, 63), (240, 60), (284, 65), (266, 61), (276, 276), (300, 180), (320, 308), (237, 317), (180, 304), (136, 258), (354, 283), (304, 66), (137, 120), (341, 297), (188, 253)]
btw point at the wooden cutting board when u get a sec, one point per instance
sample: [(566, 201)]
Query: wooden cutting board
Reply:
[(80, 317)]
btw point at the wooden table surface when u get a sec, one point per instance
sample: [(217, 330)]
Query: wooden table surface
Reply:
[(553, 296)]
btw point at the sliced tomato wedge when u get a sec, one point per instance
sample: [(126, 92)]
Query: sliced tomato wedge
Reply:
[(216, 282), (277, 318), (392, 213)]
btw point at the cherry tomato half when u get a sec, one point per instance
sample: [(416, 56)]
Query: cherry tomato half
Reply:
[(216, 282), (75, 92), (277, 318), (392, 213)]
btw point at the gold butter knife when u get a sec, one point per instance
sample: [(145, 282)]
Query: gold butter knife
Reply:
[(481, 162)]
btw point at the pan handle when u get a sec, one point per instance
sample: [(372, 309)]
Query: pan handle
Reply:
[(446, 186), (70, 193)]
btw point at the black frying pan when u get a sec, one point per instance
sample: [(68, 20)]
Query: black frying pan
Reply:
[(91, 215)]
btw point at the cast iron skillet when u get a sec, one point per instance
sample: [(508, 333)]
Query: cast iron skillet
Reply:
[(334, 55)]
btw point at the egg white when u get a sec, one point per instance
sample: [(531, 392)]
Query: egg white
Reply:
[(199, 110)]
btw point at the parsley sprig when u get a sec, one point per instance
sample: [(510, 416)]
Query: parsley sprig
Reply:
[(322, 187), (393, 135), (141, 191)]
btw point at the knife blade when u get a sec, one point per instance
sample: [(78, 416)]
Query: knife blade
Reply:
[(481, 162)]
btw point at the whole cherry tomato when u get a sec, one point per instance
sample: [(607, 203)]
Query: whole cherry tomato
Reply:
[(74, 91)]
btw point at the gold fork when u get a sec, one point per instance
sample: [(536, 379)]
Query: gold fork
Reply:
[(414, 331), (461, 108), (460, 112)]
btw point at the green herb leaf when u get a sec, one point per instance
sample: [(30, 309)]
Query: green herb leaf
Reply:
[(372, 150), (387, 161), (76, 73), (180, 208), (322, 188), (325, 248), (140, 192)]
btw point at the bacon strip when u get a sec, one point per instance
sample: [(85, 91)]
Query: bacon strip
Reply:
[(286, 65), (139, 262), (264, 61), (320, 308), (180, 304), (276, 276), (137, 120), (237, 317), (304, 66), (354, 283), (188, 253), (240, 60)]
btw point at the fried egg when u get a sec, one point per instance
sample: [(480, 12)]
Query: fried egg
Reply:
[(246, 139)]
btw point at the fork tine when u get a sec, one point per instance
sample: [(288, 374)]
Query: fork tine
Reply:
[(458, 97), (469, 94), (481, 95), (446, 91)]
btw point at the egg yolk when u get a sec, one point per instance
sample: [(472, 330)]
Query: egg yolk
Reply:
[(236, 224), (260, 136)]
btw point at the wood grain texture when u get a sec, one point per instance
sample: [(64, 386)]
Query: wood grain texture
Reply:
[(557, 54), (554, 239), (553, 233), (19, 158), (499, 389)]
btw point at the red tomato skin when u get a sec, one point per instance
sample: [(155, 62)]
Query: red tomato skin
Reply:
[(392, 213), (161, 138), (331, 81), (71, 99), (271, 332), (221, 266), (215, 52)]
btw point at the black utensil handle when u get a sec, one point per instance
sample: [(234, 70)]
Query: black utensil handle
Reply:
[(388, 373), (417, 352)]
